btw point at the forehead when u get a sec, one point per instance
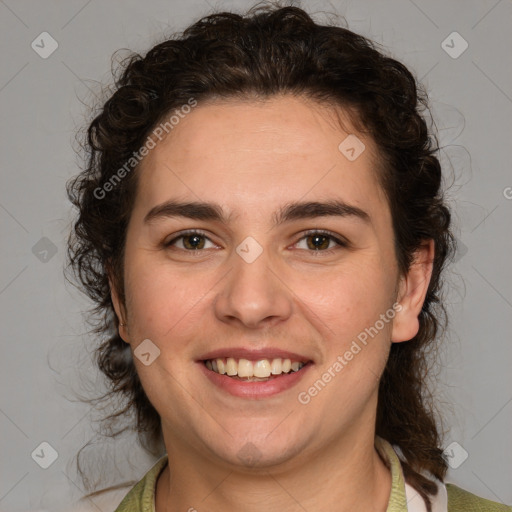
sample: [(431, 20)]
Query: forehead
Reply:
[(250, 154)]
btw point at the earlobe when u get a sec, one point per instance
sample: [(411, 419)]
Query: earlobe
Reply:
[(413, 289)]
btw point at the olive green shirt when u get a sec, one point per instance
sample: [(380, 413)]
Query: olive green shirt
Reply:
[(141, 497)]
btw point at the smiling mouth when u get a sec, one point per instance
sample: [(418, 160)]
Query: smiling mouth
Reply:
[(253, 371)]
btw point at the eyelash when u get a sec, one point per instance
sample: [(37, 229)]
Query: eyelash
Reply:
[(327, 234)]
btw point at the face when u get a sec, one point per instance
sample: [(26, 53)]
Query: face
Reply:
[(261, 275)]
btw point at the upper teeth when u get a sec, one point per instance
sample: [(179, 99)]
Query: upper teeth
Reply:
[(259, 368)]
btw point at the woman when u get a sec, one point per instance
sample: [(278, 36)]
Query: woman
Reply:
[(261, 220)]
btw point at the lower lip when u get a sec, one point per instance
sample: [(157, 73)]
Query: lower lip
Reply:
[(256, 389)]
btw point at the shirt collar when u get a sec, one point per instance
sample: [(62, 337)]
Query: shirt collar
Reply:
[(397, 498)]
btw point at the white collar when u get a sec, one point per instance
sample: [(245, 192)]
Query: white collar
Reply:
[(415, 502)]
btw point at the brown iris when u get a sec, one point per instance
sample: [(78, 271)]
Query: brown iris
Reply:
[(317, 242), (197, 241)]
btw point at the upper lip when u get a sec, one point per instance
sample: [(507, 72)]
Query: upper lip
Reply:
[(254, 354)]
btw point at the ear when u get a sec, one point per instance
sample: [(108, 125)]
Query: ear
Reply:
[(412, 292), (118, 308)]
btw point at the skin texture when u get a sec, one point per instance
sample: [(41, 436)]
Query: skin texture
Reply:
[(252, 158)]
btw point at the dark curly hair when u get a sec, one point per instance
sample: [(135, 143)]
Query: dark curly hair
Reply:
[(271, 50)]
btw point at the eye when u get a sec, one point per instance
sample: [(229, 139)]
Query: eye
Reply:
[(320, 241), (190, 241)]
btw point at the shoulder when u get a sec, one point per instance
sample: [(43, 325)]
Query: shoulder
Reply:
[(106, 500), (141, 498), (465, 501), (133, 498)]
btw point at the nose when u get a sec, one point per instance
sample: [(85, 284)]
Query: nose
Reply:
[(253, 294)]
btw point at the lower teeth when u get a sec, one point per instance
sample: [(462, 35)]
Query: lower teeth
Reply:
[(252, 379)]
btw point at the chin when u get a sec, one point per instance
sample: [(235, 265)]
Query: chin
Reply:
[(258, 452)]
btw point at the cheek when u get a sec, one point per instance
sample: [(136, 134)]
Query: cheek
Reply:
[(347, 310), (161, 301), (348, 299)]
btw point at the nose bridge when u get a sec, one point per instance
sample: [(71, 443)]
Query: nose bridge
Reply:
[(252, 292)]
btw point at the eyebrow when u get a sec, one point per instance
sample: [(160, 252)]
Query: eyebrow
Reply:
[(288, 212)]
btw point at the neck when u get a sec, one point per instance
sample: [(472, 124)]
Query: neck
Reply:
[(347, 475)]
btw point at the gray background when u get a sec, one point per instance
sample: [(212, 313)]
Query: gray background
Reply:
[(44, 349)]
